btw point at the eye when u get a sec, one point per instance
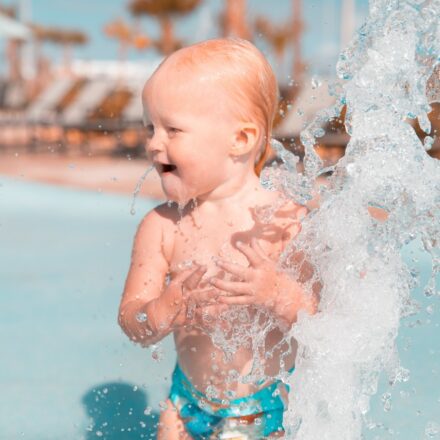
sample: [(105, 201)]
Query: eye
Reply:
[(173, 131), (150, 130)]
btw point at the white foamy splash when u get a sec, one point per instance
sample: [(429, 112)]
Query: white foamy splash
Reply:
[(366, 285)]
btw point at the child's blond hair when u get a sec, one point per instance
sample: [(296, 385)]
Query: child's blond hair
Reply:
[(247, 75)]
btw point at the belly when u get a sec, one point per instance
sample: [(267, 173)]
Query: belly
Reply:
[(235, 371)]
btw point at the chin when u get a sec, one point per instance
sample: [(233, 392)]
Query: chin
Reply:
[(175, 194)]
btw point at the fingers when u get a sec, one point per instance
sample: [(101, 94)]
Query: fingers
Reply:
[(254, 253), (230, 287), (234, 269), (193, 280), (182, 275), (235, 300), (204, 295)]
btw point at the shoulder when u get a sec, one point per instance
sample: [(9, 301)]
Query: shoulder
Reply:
[(286, 210), (291, 210), (289, 216), (162, 215), (158, 227)]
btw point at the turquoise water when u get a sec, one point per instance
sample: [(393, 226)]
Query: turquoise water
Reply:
[(415, 405), (66, 366), (68, 372)]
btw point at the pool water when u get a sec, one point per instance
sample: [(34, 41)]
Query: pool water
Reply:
[(66, 366), (67, 370)]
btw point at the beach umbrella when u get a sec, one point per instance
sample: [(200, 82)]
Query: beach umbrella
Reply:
[(65, 37), (164, 11), (126, 37)]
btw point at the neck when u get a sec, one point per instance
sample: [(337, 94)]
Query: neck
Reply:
[(234, 189)]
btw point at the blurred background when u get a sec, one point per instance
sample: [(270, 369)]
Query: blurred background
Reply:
[(71, 154), (72, 72)]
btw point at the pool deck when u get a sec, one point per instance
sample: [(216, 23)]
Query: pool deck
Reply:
[(98, 173)]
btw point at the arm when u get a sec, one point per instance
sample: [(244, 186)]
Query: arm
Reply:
[(149, 310)]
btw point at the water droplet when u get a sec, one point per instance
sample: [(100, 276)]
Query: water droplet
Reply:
[(319, 132), (424, 122), (141, 317), (148, 410), (428, 142), (157, 352), (316, 82), (138, 187), (386, 401), (167, 279)]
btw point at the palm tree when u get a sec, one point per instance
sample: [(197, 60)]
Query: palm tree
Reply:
[(164, 11)]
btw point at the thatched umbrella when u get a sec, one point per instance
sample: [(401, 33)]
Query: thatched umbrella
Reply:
[(122, 32), (66, 38), (164, 10), (126, 36)]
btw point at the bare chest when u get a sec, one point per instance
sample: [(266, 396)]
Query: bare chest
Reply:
[(203, 239)]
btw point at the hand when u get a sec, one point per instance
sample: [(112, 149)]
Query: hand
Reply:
[(187, 297), (261, 284), (202, 307)]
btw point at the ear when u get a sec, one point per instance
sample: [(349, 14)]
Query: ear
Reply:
[(245, 139)]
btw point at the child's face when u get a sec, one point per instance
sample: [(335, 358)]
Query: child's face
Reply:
[(190, 132)]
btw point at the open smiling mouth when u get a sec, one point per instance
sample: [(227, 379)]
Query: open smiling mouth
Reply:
[(166, 168)]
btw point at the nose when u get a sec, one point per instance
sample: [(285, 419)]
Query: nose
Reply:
[(154, 145)]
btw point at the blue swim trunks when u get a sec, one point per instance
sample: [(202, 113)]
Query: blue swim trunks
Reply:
[(251, 417)]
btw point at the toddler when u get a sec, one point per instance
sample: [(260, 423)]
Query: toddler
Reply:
[(209, 110)]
